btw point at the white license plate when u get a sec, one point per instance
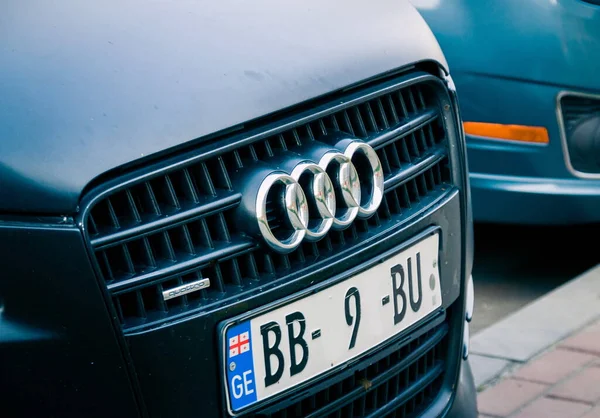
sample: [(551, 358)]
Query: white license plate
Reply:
[(267, 354)]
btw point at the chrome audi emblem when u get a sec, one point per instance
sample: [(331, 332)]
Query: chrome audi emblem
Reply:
[(304, 203)]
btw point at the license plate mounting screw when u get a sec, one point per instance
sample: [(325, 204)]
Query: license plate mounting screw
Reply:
[(232, 366), (434, 263)]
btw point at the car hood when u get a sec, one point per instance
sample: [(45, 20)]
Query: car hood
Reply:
[(86, 87)]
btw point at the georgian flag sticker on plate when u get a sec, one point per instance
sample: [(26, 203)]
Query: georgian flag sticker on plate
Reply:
[(239, 344)]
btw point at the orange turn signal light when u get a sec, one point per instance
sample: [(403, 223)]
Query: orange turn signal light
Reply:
[(535, 134)]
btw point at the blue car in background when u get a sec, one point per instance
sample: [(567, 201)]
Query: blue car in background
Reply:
[(528, 77)]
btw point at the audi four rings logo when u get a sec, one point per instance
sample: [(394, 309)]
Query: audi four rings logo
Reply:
[(316, 196)]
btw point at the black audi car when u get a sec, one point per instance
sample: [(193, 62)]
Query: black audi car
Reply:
[(231, 209)]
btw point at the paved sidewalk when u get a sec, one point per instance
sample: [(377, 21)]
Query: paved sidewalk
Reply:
[(563, 382), (525, 334)]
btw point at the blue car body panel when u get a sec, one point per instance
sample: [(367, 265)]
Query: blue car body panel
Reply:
[(511, 61)]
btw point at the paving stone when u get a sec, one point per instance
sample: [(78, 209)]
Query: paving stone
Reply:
[(508, 396), (583, 387), (554, 366), (595, 327), (587, 341), (594, 413), (486, 368), (553, 408)]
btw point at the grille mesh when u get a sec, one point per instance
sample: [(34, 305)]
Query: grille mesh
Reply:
[(399, 385), (178, 226)]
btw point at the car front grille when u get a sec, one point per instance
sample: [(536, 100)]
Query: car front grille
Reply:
[(400, 382), (173, 224), (581, 121)]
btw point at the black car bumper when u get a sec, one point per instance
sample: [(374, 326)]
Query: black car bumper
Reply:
[(61, 355), (465, 399)]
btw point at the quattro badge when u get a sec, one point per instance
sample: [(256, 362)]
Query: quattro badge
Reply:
[(186, 288)]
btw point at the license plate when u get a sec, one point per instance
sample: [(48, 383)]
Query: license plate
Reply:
[(274, 351)]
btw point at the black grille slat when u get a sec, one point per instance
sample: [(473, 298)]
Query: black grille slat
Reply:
[(268, 150), (223, 180), (114, 220), (394, 157), (118, 309), (403, 150), (161, 302), (151, 202), (322, 127), (413, 146), (370, 117), (347, 125), (422, 140), (281, 142), (92, 227), (385, 161), (309, 133), (167, 245), (129, 266), (142, 255), (412, 101), (237, 159), (186, 242), (421, 99), (381, 115), (253, 152), (358, 123), (201, 179), (180, 222), (141, 308), (105, 266), (187, 187), (218, 278), (170, 191), (392, 109), (296, 140), (106, 219), (250, 267), (402, 102), (333, 123), (201, 233), (234, 272), (218, 228)]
